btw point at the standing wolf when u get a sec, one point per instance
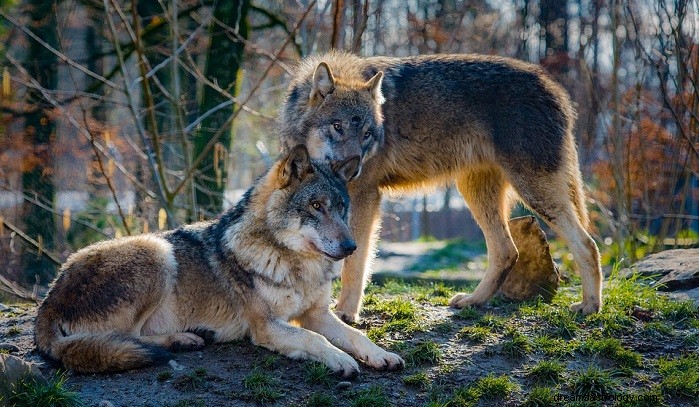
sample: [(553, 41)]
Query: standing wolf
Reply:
[(500, 128), (126, 303)]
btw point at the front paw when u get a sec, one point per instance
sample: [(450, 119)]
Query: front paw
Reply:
[(384, 360), (462, 300), (343, 365), (347, 318), (184, 341), (591, 306)]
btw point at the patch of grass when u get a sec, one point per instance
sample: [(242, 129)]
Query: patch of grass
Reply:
[(517, 346), (477, 334), (680, 376), (190, 382), (612, 321), (612, 349), (30, 392), (493, 322), (561, 322), (268, 361), (555, 347), (493, 387), (14, 331), (373, 396), (262, 387), (320, 399), (318, 373), (423, 353), (469, 313), (546, 372), (540, 397), (443, 327), (418, 380), (164, 376), (464, 396), (592, 381), (201, 372), (657, 329), (399, 314)]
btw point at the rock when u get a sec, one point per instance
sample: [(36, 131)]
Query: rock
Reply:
[(687, 295), (105, 403), (344, 385), (175, 366), (535, 272), (12, 370), (676, 269), (4, 307)]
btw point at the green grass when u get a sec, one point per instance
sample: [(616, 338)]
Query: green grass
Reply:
[(592, 381), (612, 349), (14, 331), (262, 386), (416, 380), (423, 353), (478, 334), (320, 399), (30, 392), (517, 346), (493, 387), (555, 347), (546, 372), (400, 315), (540, 397), (680, 376), (495, 323), (373, 396), (164, 376), (469, 313), (318, 373)]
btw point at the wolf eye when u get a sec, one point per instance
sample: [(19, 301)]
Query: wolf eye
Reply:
[(337, 126), (317, 206), (367, 134)]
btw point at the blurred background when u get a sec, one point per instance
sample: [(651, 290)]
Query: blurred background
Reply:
[(123, 117)]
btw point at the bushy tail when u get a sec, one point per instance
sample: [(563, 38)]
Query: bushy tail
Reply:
[(96, 352)]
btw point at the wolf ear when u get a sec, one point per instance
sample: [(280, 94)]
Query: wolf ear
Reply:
[(296, 165), (347, 169), (374, 86), (323, 81)]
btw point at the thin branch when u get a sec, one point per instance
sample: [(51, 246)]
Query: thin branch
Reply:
[(60, 55), (42, 250)]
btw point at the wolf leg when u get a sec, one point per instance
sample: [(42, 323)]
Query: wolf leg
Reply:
[(485, 190), (321, 320), (557, 199), (364, 220), (300, 343), (176, 342)]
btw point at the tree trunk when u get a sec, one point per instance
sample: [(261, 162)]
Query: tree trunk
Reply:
[(223, 60), (39, 132)]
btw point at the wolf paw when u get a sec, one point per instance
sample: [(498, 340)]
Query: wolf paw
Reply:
[(385, 361), (462, 300), (586, 307), (343, 365), (347, 318), (185, 341)]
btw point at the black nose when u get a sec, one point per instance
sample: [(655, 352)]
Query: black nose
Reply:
[(348, 247)]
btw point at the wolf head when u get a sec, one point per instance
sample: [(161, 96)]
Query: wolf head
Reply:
[(309, 205), (335, 119)]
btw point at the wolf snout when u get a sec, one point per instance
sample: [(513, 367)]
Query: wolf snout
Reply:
[(348, 246)]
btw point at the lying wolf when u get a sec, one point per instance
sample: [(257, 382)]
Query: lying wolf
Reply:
[(126, 303), (500, 128)]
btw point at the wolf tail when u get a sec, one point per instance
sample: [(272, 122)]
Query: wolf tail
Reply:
[(95, 352)]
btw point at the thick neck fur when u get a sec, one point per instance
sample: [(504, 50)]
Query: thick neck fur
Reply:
[(251, 240)]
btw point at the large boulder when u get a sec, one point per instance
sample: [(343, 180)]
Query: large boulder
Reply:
[(673, 269), (535, 272)]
